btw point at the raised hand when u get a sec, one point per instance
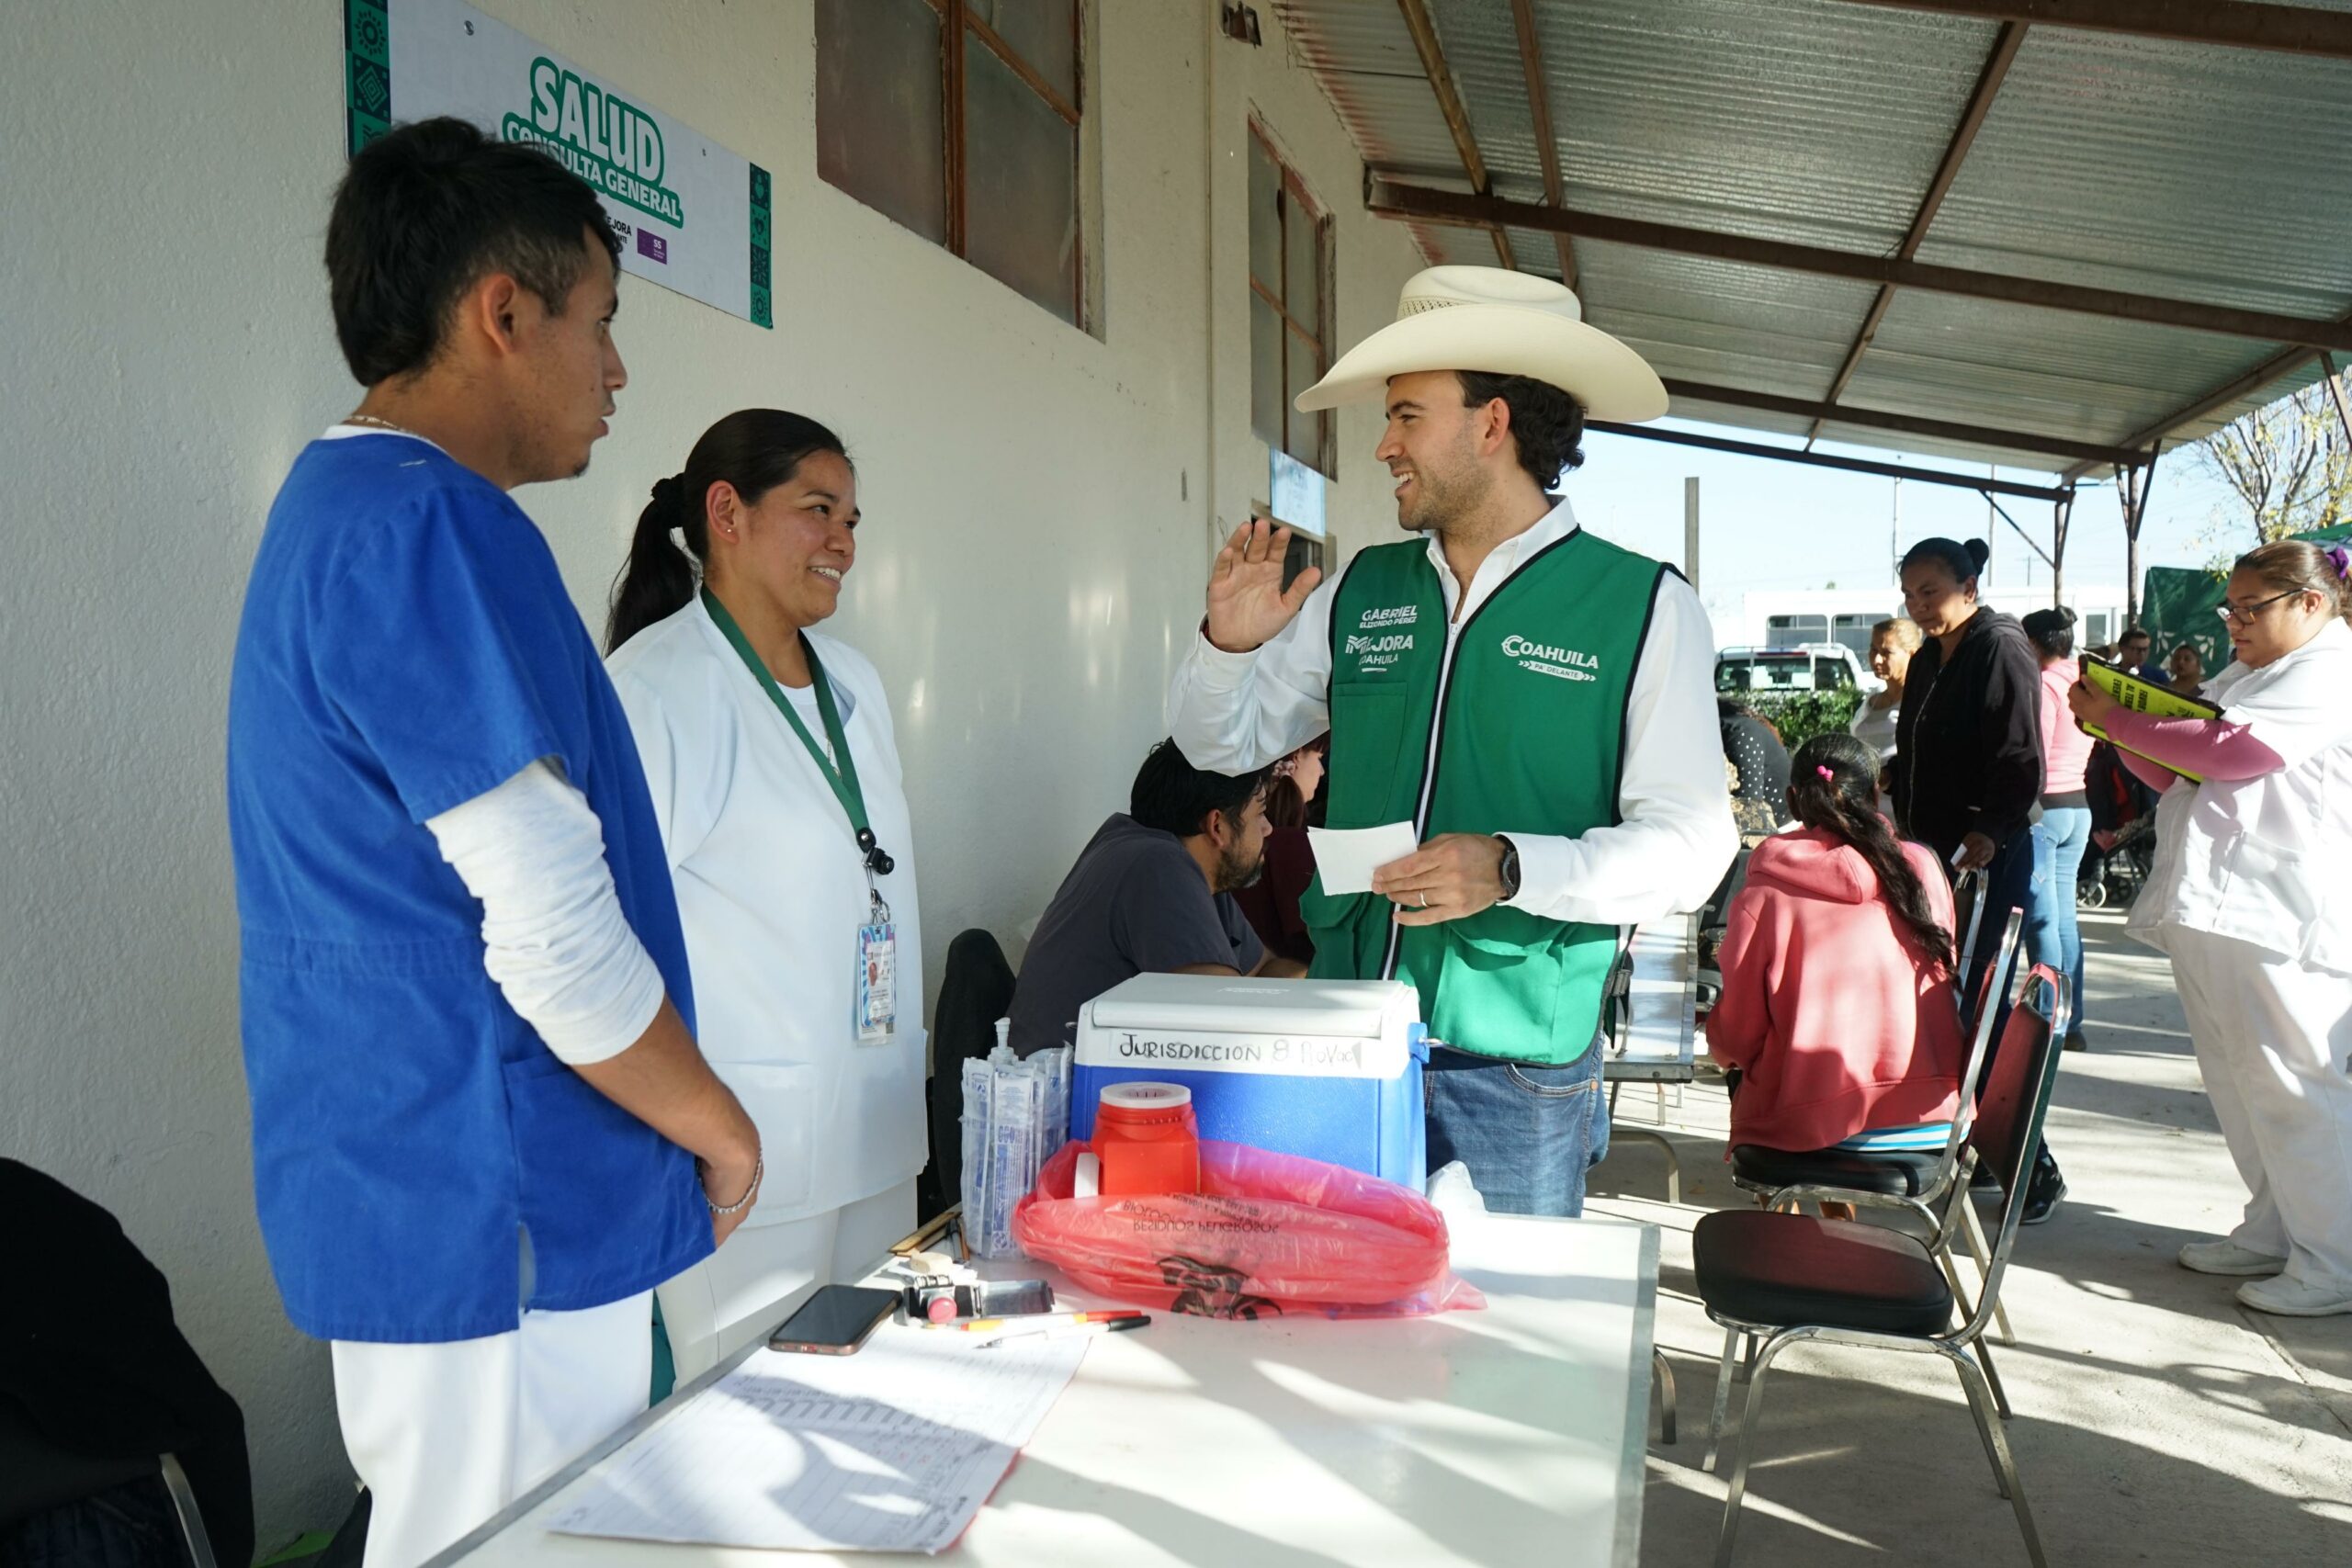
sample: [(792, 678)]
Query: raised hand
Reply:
[(1247, 604)]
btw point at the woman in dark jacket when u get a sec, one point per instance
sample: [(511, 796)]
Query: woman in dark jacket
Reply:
[(1968, 754)]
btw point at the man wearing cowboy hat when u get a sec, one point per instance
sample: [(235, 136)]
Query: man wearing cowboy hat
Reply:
[(1536, 702)]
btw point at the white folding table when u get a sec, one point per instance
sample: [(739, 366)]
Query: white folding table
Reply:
[(1505, 1437), (1656, 1040)]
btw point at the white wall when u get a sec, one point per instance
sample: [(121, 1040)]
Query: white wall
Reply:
[(1038, 503)]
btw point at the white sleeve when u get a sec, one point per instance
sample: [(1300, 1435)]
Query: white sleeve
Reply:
[(555, 939), (1675, 835), (1231, 712)]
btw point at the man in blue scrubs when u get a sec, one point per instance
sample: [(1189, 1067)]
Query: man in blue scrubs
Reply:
[(483, 1131)]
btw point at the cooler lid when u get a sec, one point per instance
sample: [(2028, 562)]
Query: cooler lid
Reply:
[(1363, 1009)]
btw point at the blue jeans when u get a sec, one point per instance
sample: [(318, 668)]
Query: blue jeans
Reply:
[(2021, 861), (1528, 1134), (2052, 935)]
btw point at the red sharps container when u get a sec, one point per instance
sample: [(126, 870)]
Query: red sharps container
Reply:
[(1147, 1140)]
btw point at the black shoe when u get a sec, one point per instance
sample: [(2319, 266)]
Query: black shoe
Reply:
[(1981, 1179), (2042, 1190), (2075, 1041)]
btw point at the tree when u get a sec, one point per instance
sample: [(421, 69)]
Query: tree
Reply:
[(2288, 465)]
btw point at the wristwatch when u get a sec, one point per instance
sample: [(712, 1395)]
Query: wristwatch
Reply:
[(1510, 868)]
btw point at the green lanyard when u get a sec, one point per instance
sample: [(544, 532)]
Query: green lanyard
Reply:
[(841, 770)]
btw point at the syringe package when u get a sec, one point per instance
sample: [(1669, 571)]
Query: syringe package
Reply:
[(1016, 1114)]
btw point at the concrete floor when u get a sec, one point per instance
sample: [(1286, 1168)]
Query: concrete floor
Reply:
[(2156, 1421)]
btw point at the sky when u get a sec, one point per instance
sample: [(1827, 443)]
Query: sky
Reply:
[(1769, 524)]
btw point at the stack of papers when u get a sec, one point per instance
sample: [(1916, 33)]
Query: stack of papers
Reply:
[(893, 1449)]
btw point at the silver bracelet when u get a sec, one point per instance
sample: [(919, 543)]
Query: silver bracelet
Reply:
[(759, 1168)]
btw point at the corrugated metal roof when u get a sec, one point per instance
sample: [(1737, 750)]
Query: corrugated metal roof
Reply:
[(2180, 171), (2163, 168)]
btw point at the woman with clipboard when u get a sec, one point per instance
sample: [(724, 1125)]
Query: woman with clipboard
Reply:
[(2247, 894), (770, 755)]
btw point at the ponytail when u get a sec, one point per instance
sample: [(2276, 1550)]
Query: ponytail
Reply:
[(1833, 786), (659, 577), (754, 450)]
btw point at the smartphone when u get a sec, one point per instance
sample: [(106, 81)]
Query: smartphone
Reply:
[(835, 1321)]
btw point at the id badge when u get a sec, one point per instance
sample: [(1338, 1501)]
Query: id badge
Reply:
[(877, 982)]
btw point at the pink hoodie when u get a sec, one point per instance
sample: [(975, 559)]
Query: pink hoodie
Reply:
[(1835, 1020)]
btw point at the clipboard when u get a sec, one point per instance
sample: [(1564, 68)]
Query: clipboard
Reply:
[(2142, 696)]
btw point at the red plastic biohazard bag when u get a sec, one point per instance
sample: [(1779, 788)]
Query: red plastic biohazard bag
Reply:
[(1266, 1234)]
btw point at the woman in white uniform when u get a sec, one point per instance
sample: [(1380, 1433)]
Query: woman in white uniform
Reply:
[(775, 780), (2248, 895)]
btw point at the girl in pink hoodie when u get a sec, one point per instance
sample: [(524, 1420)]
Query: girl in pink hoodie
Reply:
[(1838, 1007)]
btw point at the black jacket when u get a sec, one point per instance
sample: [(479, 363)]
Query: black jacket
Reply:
[(91, 1358), (1968, 741)]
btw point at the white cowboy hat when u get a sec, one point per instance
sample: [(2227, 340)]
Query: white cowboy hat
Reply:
[(1511, 323)]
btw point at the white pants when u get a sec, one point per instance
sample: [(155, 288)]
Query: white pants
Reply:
[(755, 1279), (446, 1435), (2273, 1038)]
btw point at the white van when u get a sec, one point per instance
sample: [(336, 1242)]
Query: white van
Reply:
[(1808, 667)]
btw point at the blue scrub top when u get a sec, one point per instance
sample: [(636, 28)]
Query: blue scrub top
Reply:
[(407, 644)]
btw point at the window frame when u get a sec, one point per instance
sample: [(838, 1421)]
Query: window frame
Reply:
[(957, 18), (1296, 198)]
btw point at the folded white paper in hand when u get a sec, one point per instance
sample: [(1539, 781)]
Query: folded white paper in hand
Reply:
[(1346, 857)]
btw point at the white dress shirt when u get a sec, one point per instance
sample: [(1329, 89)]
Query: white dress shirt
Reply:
[(1232, 712)]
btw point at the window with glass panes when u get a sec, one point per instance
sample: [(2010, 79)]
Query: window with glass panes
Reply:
[(1290, 315), (960, 120)]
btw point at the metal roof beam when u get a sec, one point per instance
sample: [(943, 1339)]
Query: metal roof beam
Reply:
[(2089, 452), (1386, 198), (1971, 119), (2289, 29), (2284, 363), (1457, 117), (1825, 461), (1539, 103)]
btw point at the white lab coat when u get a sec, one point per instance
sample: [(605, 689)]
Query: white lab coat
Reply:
[(771, 889), (2245, 894), (2260, 860)]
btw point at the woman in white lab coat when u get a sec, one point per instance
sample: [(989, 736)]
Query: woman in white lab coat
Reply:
[(2247, 895), (794, 863)]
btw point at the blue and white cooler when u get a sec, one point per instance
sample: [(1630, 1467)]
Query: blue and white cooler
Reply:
[(1329, 1069)]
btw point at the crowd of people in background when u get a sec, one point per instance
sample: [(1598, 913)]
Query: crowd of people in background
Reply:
[(1999, 757)]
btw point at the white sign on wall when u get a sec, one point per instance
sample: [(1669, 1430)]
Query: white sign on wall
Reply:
[(690, 215)]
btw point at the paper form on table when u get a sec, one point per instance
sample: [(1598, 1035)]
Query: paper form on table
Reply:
[(891, 1449)]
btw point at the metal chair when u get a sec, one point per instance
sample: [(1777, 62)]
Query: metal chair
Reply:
[(36, 1475), (1911, 1182), (1822, 1177), (1778, 1278), (976, 990)]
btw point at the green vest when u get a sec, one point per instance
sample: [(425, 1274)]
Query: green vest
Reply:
[(1520, 729)]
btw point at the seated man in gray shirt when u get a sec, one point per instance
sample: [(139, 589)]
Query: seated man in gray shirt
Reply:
[(1153, 893)]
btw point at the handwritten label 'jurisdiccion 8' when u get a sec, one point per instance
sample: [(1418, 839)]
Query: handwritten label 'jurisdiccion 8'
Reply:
[(1309, 1057)]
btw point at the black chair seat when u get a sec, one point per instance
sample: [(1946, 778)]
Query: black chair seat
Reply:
[(1785, 1270), (1898, 1173)]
